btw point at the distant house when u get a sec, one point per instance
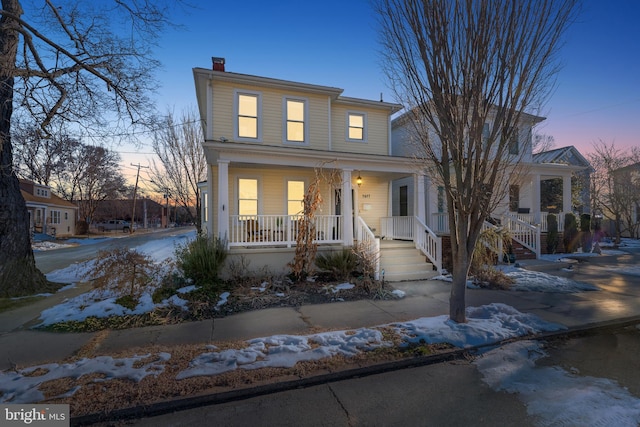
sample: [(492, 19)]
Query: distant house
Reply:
[(627, 187), (48, 213)]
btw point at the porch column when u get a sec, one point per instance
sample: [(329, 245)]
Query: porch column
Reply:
[(210, 205), (535, 198), (223, 199), (347, 208), (566, 194), (419, 197)]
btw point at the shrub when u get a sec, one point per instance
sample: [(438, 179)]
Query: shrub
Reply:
[(339, 263), (570, 237), (552, 234), (202, 259), (585, 228), (485, 255), (124, 272)]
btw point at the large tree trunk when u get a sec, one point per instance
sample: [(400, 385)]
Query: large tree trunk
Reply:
[(457, 299), (18, 272)]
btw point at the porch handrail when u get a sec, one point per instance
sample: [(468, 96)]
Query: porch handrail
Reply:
[(370, 243), (522, 232), (428, 243)]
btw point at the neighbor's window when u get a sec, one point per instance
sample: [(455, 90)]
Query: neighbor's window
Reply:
[(514, 145), (514, 198), (205, 206), (295, 116), (55, 217), (356, 126), (440, 199), (247, 196), (295, 196), (248, 117), (486, 133)]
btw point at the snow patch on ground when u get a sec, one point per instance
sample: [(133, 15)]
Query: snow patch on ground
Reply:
[(554, 396)]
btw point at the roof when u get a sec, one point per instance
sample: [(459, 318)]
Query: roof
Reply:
[(333, 92), (565, 155), (53, 200)]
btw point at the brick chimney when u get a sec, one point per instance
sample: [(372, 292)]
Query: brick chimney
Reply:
[(218, 64)]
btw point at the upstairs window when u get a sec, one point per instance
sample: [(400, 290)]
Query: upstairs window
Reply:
[(514, 144), (247, 197), (248, 114), (356, 127), (486, 133), (295, 113)]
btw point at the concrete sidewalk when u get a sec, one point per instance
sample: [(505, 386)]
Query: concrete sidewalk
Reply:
[(619, 298)]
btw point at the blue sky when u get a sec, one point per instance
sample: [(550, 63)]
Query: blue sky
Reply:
[(334, 43)]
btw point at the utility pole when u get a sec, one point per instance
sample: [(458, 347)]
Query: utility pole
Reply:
[(135, 190)]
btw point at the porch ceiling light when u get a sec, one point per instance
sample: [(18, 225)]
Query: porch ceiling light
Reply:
[(359, 180)]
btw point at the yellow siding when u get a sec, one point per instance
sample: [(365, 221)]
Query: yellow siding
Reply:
[(372, 200), (376, 129), (272, 109), (272, 189)]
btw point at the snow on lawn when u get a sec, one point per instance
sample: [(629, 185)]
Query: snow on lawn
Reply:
[(554, 396), (534, 281), (22, 387), (487, 324)]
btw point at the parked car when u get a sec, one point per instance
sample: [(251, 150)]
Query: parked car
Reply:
[(114, 224)]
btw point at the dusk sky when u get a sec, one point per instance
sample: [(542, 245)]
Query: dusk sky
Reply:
[(335, 43)]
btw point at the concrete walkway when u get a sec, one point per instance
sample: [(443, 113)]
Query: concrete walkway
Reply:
[(619, 298)]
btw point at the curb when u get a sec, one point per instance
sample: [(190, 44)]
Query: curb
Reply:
[(166, 407)]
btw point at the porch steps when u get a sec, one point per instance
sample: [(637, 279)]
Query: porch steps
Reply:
[(402, 261), (521, 252)]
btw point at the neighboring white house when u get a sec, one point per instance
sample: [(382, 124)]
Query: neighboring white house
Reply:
[(48, 213)]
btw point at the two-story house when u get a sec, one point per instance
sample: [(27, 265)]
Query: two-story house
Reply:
[(266, 139), (48, 213)]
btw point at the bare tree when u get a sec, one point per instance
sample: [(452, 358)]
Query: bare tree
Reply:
[(88, 63), (95, 176), (178, 144), (456, 66), (615, 185), (542, 142), (41, 158)]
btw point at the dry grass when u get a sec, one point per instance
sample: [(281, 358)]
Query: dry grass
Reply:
[(96, 394)]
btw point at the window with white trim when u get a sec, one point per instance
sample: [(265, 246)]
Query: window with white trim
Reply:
[(295, 115), (54, 217), (514, 144), (247, 197), (248, 115), (295, 197), (356, 126)]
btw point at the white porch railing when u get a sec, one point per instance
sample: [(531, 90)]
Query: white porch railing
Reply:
[(440, 222), (370, 244), (411, 228), (541, 219), (429, 244), (526, 234), (280, 230), (397, 227)]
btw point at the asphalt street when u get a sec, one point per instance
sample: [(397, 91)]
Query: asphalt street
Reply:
[(48, 261)]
